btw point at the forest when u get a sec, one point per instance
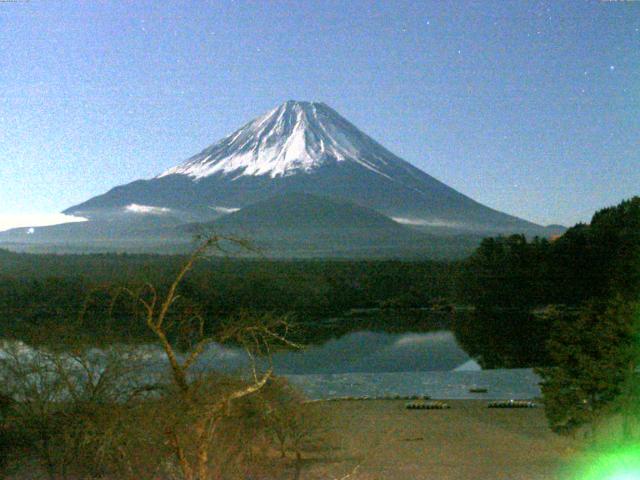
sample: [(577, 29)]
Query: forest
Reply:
[(38, 291), (517, 285)]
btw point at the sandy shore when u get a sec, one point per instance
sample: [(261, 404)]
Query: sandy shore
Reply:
[(383, 440)]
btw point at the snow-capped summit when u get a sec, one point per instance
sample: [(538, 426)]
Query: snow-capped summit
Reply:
[(294, 137), (302, 147)]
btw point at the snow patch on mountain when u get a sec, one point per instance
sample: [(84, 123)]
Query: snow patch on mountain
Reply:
[(224, 209), (418, 222), (146, 209), (294, 137)]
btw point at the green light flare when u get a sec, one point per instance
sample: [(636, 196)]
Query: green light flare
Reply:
[(619, 464)]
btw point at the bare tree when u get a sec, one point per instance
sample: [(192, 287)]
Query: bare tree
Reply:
[(289, 418), (102, 412), (202, 399), (63, 401)]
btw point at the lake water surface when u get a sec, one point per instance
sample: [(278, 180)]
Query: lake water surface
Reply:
[(500, 384), (372, 364), (360, 352), (375, 364)]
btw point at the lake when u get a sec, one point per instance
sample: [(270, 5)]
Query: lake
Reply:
[(377, 364), (370, 364), (361, 351), (500, 384)]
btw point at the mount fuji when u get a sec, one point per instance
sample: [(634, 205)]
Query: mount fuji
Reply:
[(301, 149), (304, 147)]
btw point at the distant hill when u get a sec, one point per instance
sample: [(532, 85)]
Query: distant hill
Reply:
[(301, 224), (118, 231), (303, 211)]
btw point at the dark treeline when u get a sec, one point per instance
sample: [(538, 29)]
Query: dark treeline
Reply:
[(511, 281), (39, 291)]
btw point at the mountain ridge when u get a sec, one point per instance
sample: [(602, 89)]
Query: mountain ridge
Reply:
[(309, 147), (301, 224)]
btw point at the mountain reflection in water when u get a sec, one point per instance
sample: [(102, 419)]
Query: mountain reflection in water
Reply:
[(362, 352)]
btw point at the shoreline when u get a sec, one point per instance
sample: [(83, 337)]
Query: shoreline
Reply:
[(536, 400)]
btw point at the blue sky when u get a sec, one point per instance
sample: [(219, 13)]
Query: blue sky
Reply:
[(532, 108)]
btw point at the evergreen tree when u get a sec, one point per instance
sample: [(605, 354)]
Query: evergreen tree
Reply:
[(595, 357)]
